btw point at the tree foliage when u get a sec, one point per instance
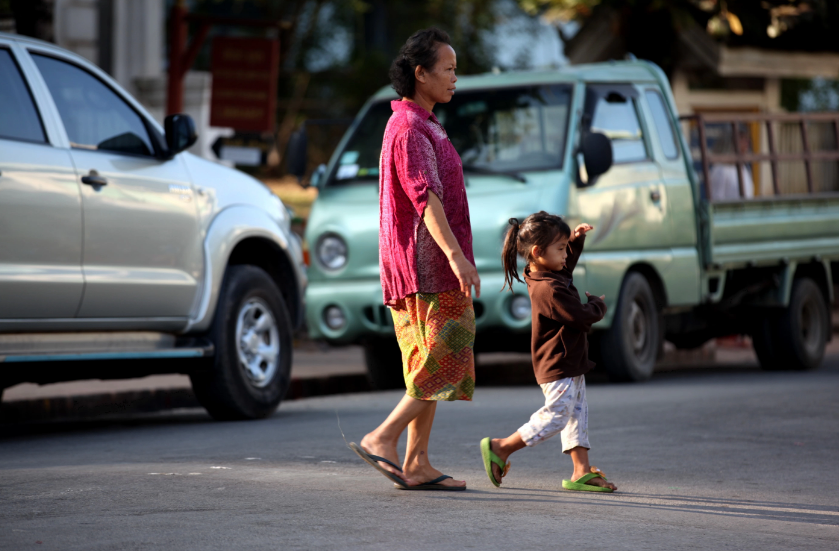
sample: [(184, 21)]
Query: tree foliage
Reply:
[(650, 28), (784, 24)]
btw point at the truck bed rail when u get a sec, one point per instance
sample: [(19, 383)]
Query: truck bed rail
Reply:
[(773, 156)]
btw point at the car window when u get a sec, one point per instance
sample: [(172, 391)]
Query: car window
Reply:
[(19, 119), (509, 129), (617, 118), (506, 129), (664, 128), (94, 116)]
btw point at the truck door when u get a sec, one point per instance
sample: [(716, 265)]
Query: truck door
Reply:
[(142, 244), (674, 178), (40, 209), (626, 204)]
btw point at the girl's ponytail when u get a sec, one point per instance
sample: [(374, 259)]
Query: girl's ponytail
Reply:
[(509, 255)]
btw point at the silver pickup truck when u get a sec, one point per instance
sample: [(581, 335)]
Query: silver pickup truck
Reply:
[(122, 255)]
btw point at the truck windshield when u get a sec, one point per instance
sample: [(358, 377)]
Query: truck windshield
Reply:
[(502, 130)]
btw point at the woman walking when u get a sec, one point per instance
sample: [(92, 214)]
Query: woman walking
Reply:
[(426, 260)]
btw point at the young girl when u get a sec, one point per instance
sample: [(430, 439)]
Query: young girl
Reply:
[(559, 345)]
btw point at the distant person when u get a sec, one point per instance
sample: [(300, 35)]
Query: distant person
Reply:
[(426, 260), (559, 345), (724, 183)]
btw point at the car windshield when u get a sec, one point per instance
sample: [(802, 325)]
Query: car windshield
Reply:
[(502, 130)]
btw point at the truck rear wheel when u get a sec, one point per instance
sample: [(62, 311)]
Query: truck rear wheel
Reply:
[(384, 363), (628, 349), (795, 339), (252, 335)]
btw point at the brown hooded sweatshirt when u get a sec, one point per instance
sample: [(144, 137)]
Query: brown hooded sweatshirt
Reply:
[(561, 320)]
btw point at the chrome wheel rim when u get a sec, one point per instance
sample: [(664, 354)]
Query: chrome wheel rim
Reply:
[(811, 327), (638, 329), (257, 342)]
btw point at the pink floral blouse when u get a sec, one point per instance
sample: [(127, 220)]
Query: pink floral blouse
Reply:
[(417, 157)]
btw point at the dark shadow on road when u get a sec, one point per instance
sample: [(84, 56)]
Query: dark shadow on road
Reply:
[(739, 508)]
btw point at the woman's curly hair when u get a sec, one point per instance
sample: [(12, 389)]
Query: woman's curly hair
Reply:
[(419, 50)]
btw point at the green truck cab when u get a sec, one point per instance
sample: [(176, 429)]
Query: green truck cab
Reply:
[(600, 144)]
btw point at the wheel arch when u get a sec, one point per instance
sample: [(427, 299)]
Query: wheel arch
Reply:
[(244, 234), (653, 278), (267, 255)]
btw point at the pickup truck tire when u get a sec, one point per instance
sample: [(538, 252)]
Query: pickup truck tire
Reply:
[(628, 349), (795, 339), (384, 363), (252, 334)]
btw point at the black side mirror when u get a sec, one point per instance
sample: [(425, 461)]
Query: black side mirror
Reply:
[(596, 150), (180, 133), (297, 153)]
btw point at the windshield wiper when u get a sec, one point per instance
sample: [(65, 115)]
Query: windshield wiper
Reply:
[(491, 172)]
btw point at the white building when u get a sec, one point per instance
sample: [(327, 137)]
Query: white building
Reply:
[(127, 39)]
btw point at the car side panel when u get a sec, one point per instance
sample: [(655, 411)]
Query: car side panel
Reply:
[(40, 232), (40, 215), (142, 253)]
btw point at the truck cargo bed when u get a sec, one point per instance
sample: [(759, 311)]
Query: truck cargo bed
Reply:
[(774, 229)]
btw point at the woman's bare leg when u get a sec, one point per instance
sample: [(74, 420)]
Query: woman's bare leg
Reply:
[(417, 467), (382, 440)]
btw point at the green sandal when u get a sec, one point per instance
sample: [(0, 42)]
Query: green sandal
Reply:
[(490, 458), (580, 485)]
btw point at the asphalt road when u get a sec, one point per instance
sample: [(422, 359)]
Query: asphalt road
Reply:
[(709, 458)]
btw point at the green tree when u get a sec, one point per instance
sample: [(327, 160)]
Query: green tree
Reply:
[(649, 28)]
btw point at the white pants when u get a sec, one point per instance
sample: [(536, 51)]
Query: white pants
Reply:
[(565, 412)]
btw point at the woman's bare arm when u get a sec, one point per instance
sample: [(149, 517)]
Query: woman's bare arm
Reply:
[(441, 232)]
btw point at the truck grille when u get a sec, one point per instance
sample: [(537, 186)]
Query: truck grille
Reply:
[(378, 315)]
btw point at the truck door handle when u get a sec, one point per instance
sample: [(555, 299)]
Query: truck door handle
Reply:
[(93, 179), (655, 195)]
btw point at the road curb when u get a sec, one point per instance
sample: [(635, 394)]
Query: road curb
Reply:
[(148, 401)]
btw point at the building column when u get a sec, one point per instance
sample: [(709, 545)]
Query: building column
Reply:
[(138, 31)]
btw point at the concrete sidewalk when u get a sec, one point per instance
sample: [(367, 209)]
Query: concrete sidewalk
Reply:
[(310, 361), (318, 370)]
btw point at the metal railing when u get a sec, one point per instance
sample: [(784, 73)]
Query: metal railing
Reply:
[(740, 158)]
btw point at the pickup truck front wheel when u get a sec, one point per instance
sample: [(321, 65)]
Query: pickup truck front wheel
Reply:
[(628, 349), (252, 335), (795, 338), (384, 363)]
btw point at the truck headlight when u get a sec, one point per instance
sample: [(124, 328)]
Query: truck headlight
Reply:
[(520, 307), (331, 252)]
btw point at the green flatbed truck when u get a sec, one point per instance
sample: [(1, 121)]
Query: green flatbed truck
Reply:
[(600, 144)]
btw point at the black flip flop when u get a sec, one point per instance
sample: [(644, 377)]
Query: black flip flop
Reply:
[(433, 485), (373, 461)]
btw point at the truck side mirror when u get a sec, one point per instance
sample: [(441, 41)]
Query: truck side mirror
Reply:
[(318, 176), (596, 152), (297, 153), (180, 133)]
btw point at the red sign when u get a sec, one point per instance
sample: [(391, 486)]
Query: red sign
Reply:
[(244, 95)]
